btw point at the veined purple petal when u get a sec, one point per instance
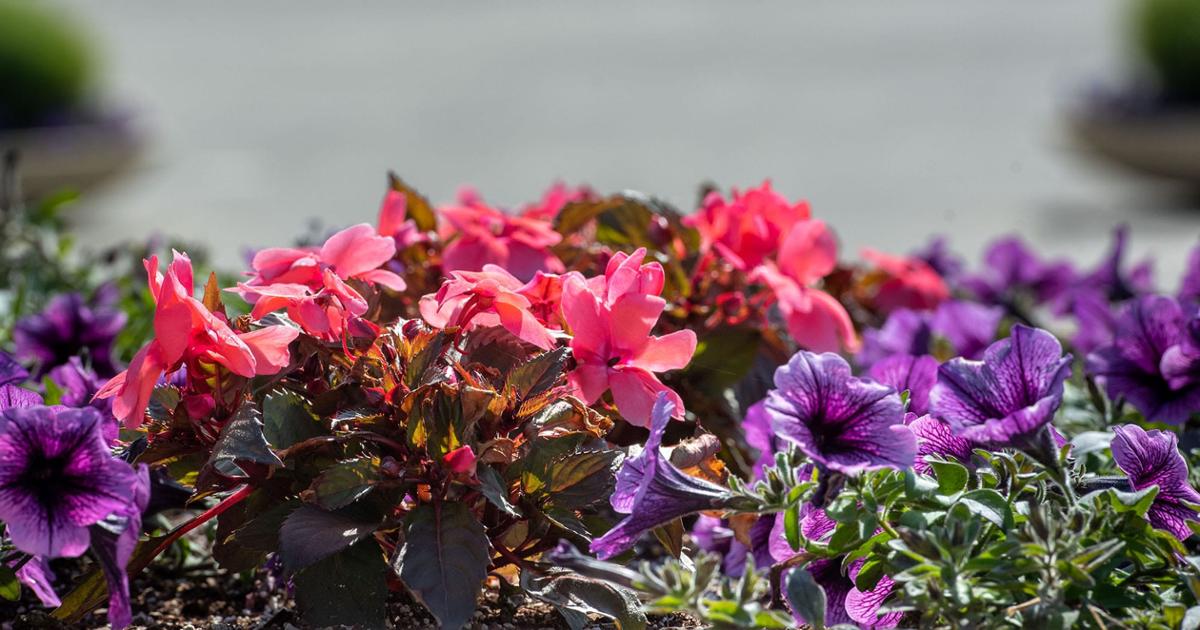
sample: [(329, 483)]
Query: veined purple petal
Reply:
[(905, 332), (905, 372), (757, 427), (1009, 395), (841, 422), (828, 575), (11, 372), (113, 541), (1152, 458), (660, 491), (968, 326), (935, 437), (15, 396), (863, 606), (36, 575)]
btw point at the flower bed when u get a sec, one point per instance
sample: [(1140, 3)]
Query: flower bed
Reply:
[(618, 410)]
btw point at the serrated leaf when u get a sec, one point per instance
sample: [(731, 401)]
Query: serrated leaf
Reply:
[(951, 476), (583, 595), (444, 560), (989, 505), (240, 445), (344, 483), (580, 479), (310, 534), (288, 419), (806, 597), (538, 374), (495, 489), (348, 588)]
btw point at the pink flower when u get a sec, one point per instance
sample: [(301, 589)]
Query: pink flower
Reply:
[(815, 319), (485, 235), (747, 229), (394, 221), (611, 318), (553, 200), (906, 282), (485, 298), (310, 283), (188, 333)]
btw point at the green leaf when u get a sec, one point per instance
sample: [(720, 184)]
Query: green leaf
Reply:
[(572, 471), (538, 374), (444, 560), (10, 586), (495, 489), (989, 505), (806, 597), (791, 526), (309, 535), (568, 590), (288, 419), (952, 477), (344, 483), (1138, 501), (348, 588), (723, 358), (241, 451)]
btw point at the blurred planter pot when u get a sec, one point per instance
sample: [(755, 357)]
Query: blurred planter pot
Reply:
[(74, 155), (1163, 143)]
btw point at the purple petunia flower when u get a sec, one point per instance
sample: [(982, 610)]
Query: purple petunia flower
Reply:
[(968, 326), (863, 606), (1131, 367), (841, 422), (37, 576), (937, 254), (113, 541), (57, 478), (1012, 271), (905, 332), (68, 327), (652, 491), (1181, 363), (757, 427), (935, 437), (1005, 399), (1112, 280), (1189, 289), (905, 372), (1152, 458)]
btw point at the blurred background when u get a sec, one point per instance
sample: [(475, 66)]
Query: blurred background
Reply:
[(233, 124)]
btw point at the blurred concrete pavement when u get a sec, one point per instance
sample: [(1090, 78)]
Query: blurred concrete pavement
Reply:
[(895, 119)]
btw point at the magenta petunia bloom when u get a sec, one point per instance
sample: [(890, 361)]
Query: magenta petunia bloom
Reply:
[(1152, 458), (905, 372), (841, 422), (905, 332), (757, 428), (113, 541), (1131, 367), (936, 438), (1112, 279), (863, 606), (57, 478), (652, 491), (70, 326), (1005, 399)]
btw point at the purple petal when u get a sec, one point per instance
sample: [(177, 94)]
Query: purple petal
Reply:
[(914, 374), (1152, 458), (113, 542), (11, 372), (905, 332), (13, 396), (863, 606), (629, 477), (935, 437), (968, 326), (36, 574), (757, 426), (844, 423)]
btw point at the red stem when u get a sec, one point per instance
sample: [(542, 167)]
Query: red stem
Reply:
[(204, 517)]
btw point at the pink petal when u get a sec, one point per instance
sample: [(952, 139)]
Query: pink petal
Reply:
[(630, 321), (392, 212), (808, 252), (634, 392), (669, 352), (524, 325), (581, 312), (824, 327), (384, 277), (356, 250), (134, 386), (269, 345), (590, 381), (181, 268)]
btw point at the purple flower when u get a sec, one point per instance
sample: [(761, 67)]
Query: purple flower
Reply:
[(905, 332), (1152, 458), (905, 372), (937, 254), (863, 606), (841, 422), (36, 575), (113, 541), (936, 438), (652, 491), (968, 326), (1005, 399), (757, 427), (1189, 289), (1181, 363), (1012, 272), (57, 478), (1114, 282), (1131, 367), (68, 327), (1095, 320), (11, 372)]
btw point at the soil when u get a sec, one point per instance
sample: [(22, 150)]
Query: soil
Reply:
[(206, 597)]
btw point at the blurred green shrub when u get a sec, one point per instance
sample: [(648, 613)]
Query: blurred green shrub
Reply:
[(1168, 35), (45, 63)]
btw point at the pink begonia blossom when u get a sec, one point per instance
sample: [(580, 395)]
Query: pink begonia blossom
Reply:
[(747, 229), (814, 318), (907, 283), (186, 332), (611, 318), (311, 283), (491, 297), (480, 235)]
